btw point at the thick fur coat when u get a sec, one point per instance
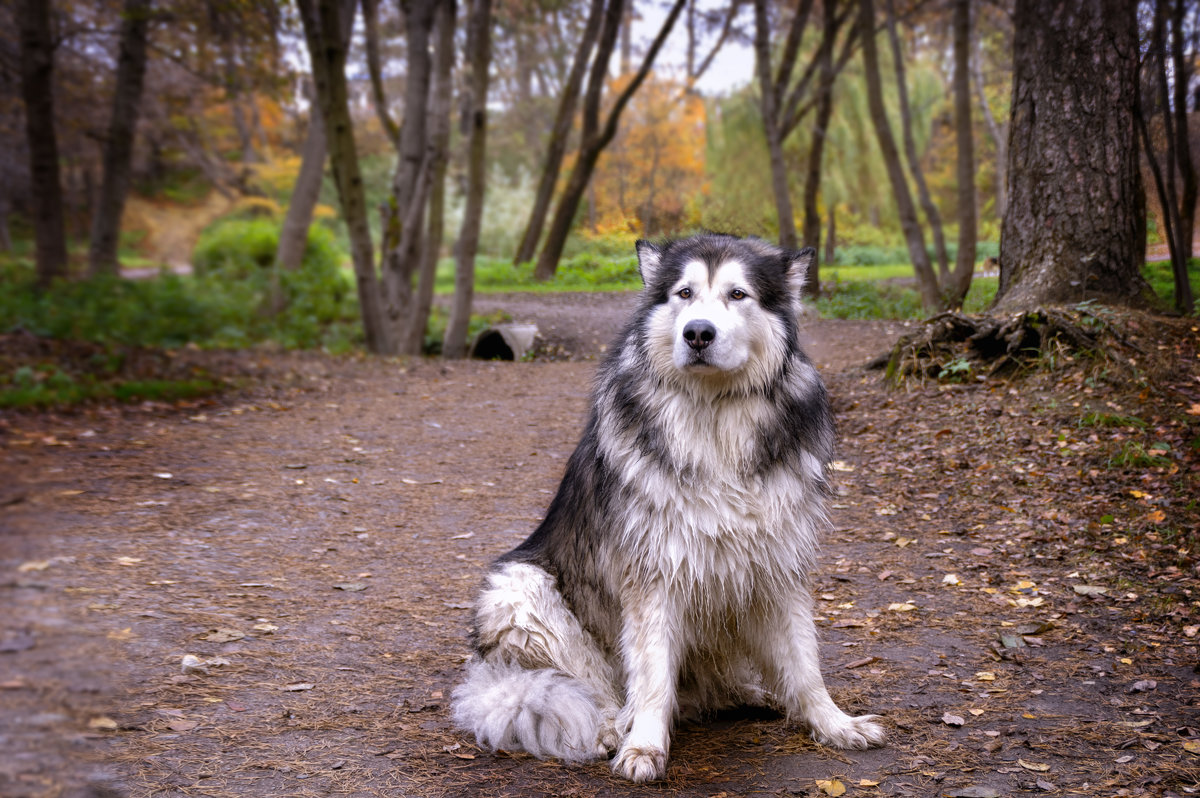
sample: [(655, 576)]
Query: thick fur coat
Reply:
[(670, 575)]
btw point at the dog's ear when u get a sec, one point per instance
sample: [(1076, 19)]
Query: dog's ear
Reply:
[(797, 270), (649, 259)]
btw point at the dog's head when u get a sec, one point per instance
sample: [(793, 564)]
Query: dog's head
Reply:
[(721, 305)]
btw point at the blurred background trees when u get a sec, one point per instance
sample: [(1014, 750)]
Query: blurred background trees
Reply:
[(129, 128)]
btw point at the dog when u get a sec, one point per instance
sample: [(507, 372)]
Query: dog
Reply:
[(670, 575)]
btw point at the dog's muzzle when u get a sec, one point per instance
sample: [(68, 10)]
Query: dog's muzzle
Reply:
[(699, 333)]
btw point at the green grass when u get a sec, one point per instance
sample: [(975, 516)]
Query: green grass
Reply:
[(584, 272), (1161, 278), (48, 386)]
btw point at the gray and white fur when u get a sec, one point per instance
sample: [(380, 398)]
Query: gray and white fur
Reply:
[(670, 575)]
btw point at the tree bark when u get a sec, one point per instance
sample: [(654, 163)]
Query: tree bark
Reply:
[(955, 291), (414, 172), (1182, 70), (440, 91), (118, 148), (479, 45), (293, 234), (556, 147), (1076, 218), (37, 89), (915, 238), (375, 69), (812, 178), (910, 150), (322, 33), (771, 92), (595, 138)]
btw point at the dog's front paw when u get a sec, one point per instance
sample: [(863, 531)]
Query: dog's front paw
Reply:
[(640, 764), (848, 732)]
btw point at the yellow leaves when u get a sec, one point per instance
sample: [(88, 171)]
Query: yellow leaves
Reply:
[(103, 723), (1192, 747), (831, 786), (1036, 767), (1156, 517)]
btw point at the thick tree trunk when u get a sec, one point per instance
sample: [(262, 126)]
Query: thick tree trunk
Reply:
[(440, 91), (322, 32), (594, 138), (556, 147), (118, 149), (955, 291), (37, 89), (932, 215), (1076, 218), (479, 45), (915, 238)]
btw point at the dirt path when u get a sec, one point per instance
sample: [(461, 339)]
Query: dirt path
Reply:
[(1014, 607)]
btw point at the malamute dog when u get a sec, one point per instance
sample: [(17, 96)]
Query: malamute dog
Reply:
[(670, 575)]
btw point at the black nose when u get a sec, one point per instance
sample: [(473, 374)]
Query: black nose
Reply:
[(699, 333)]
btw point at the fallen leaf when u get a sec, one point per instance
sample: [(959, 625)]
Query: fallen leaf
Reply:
[(297, 687), (953, 720), (223, 635), (265, 627), (867, 783), (951, 579), (103, 723), (182, 725), (1192, 747), (33, 565), (901, 607), (193, 664), (1143, 686), (973, 792), (1090, 590), (1156, 517), (351, 587), (831, 786), (985, 676), (1045, 786), (1036, 767)]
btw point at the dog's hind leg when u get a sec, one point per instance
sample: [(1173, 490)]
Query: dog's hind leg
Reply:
[(785, 639), (524, 625)]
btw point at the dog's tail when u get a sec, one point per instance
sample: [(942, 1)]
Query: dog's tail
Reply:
[(545, 712)]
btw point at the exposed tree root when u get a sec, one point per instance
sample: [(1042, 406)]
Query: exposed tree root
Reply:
[(954, 346)]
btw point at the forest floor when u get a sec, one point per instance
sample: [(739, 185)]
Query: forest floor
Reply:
[(267, 593)]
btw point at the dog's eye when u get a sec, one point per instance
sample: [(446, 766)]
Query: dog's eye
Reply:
[(737, 293), (685, 293)]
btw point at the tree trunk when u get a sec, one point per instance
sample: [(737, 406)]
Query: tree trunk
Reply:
[(910, 150), (293, 234), (414, 172), (322, 33), (955, 291), (998, 132), (118, 149), (926, 279), (37, 89), (441, 90), (594, 138), (1075, 223), (769, 102), (1182, 70), (812, 178), (479, 45), (831, 237), (556, 148), (375, 69)]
